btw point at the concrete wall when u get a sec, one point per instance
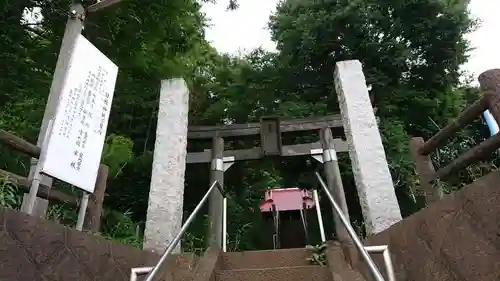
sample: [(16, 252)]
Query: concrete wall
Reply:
[(454, 239), (33, 249)]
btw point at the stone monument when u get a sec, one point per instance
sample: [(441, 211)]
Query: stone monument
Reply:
[(371, 173), (166, 195)]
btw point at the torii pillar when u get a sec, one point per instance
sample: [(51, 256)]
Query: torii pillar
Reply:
[(371, 172), (166, 194)]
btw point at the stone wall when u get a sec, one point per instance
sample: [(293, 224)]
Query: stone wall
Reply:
[(33, 249), (457, 238)]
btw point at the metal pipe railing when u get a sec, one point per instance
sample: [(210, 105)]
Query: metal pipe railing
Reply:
[(350, 231), (155, 270), (139, 270), (384, 250)]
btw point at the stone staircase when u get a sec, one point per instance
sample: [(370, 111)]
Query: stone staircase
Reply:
[(455, 239), (181, 267), (283, 265)]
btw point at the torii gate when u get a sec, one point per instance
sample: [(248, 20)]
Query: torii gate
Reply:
[(373, 180)]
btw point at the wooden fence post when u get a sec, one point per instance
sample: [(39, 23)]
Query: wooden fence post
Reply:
[(425, 170), (94, 210), (490, 86)]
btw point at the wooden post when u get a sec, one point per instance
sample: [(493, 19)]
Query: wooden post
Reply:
[(216, 174), (471, 156), (466, 117), (333, 179), (489, 82), (270, 136), (334, 183), (44, 192), (94, 211), (425, 171)]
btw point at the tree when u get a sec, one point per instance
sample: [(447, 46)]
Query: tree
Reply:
[(411, 53)]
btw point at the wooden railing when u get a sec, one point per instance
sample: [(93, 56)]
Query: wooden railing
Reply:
[(94, 209), (489, 82)]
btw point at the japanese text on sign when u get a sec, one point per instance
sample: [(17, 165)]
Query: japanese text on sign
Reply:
[(75, 144)]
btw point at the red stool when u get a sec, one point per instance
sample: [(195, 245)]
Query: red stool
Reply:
[(290, 200)]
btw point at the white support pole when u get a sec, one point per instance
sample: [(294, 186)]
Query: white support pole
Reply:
[(28, 205), (224, 224), (227, 163), (319, 215), (82, 211)]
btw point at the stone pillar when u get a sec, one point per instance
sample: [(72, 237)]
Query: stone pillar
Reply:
[(371, 173), (166, 194)]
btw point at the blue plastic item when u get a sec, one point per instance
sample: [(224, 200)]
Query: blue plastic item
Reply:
[(490, 121)]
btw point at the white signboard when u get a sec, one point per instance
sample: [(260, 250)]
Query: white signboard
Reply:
[(74, 147)]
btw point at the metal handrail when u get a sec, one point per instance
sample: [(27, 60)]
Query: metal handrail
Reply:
[(153, 271), (357, 241)]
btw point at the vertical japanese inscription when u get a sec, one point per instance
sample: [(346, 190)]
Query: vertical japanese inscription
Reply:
[(84, 112), (104, 102), (74, 148)]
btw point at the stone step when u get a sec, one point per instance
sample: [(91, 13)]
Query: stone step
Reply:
[(265, 259), (337, 263), (295, 273), (183, 261), (181, 267)]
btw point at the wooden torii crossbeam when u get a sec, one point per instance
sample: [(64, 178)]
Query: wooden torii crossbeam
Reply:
[(248, 129), (270, 130)]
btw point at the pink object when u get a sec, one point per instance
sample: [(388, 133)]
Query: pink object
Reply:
[(286, 199)]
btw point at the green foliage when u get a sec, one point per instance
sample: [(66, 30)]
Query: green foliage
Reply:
[(119, 227), (318, 254), (9, 194), (193, 244), (117, 152), (411, 52), (63, 214)]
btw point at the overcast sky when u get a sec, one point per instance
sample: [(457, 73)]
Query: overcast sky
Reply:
[(245, 29)]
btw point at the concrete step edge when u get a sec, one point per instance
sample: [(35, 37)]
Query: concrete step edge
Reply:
[(269, 251), (275, 268)]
